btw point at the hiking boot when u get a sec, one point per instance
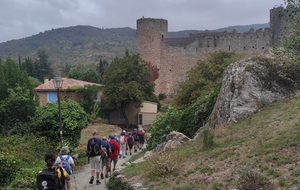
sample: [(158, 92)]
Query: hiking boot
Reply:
[(123, 156), (92, 180), (135, 150), (102, 176), (130, 153), (106, 176), (120, 156), (98, 182), (126, 153), (114, 169)]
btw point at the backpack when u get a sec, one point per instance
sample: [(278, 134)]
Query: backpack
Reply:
[(135, 136), (93, 147), (130, 140), (112, 148), (48, 179), (122, 139), (65, 163)]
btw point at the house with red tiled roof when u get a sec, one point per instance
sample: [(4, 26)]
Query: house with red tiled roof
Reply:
[(47, 91)]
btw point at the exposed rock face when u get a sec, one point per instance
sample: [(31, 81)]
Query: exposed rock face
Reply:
[(242, 93), (174, 140)]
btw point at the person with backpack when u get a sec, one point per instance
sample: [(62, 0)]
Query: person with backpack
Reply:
[(115, 149), (105, 157), (53, 177), (67, 163), (130, 141), (122, 141), (94, 150), (136, 140)]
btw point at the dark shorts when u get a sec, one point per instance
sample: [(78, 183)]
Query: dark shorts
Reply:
[(130, 146)]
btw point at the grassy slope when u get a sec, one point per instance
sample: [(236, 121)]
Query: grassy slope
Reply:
[(267, 142)]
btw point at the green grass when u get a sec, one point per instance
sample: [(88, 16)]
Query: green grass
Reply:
[(268, 143)]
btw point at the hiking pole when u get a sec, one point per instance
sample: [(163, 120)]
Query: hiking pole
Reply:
[(105, 164)]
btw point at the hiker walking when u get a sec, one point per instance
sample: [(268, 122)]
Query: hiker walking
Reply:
[(130, 141), (123, 142), (67, 163), (115, 148), (94, 149), (136, 140), (52, 178), (141, 139), (105, 157)]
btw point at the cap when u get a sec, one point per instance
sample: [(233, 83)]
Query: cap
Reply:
[(111, 137), (95, 132), (64, 150), (135, 129)]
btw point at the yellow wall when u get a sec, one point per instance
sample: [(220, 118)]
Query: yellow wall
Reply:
[(132, 113)]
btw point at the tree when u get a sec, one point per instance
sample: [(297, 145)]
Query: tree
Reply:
[(44, 66), (126, 80), (74, 119), (17, 103), (103, 64), (203, 77)]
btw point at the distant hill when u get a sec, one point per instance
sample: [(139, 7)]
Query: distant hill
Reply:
[(86, 44), (73, 45)]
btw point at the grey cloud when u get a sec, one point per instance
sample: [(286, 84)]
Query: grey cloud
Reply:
[(24, 18)]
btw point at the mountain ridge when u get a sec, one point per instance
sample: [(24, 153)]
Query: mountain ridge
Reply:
[(87, 44)]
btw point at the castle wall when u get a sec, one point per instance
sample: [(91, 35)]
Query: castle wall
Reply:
[(176, 56)]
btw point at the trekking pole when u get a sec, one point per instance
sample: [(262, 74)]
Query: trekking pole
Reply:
[(105, 164)]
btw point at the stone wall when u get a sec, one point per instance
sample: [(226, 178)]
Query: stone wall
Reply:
[(175, 56)]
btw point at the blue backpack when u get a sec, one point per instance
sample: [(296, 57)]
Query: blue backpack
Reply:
[(65, 163)]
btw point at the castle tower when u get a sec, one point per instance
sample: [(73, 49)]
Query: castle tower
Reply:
[(150, 34)]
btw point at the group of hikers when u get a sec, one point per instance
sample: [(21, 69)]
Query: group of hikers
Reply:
[(103, 154)]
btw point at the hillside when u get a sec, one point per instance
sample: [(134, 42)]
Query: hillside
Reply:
[(261, 152), (73, 45), (84, 44)]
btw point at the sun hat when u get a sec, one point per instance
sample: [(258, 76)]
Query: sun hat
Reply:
[(64, 150)]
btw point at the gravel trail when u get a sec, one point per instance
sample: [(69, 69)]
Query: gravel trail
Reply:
[(81, 177)]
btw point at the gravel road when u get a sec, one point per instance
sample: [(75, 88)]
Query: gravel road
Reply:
[(81, 177)]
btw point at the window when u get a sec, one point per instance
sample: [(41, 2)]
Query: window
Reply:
[(52, 96)]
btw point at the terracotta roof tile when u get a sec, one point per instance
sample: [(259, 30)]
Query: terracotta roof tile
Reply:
[(67, 84)]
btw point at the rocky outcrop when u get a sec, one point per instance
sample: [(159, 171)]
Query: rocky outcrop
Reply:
[(243, 93), (173, 140)]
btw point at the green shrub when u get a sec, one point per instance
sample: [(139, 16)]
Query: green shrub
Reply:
[(252, 180), (163, 163), (74, 119), (162, 96), (163, 125), (115, 183), (9, 165)]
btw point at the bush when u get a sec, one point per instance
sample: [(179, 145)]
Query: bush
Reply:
[(115, 183), (163, 163), (163, 125), (45, 122), (162, 96), (251, 180), (9, 166)]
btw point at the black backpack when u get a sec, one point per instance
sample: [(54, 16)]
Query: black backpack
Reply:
[(112, 147), (48, 179), (93, 148)]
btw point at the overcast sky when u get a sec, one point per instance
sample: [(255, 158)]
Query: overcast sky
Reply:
[(23, 18)]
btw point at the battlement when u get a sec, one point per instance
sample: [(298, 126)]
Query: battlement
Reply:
[(175, 56)]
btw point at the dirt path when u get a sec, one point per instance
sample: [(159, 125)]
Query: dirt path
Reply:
[(81, 177)]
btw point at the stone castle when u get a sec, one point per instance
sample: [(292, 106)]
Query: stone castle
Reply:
[(175, 56)]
